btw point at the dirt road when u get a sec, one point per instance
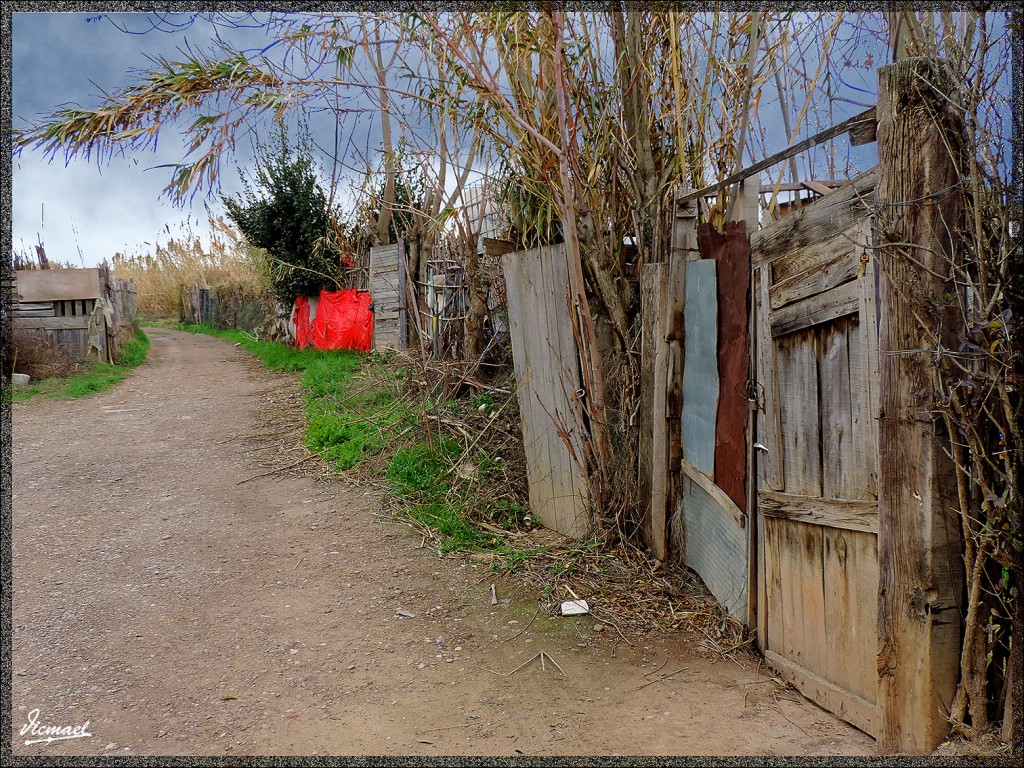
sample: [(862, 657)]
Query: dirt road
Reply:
[(181, 611)]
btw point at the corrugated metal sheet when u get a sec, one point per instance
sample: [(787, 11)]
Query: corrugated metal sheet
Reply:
[(700, 366), (715, 547)]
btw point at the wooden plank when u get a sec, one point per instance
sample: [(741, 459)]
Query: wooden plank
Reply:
[(863, 480), (795, 357), (815, 268), (518, 322), (769, 461), (864, 373), (762, 582), (816, 186), (844, 300), (555, 387), (851, 610), (51, 323), (540, 467), (540, 382), (843, 514), (845, 705), (653, 466), (719, 496), (864, 132), (574, 506), (753, 544), (919, 549), (827, 217), (774, 631), (384, 288), (856, 121), (403, 285), (839, 471), (803, 595), (495, 247), (57, 284)]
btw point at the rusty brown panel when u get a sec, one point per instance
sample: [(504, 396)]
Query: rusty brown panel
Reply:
[(731, 250)]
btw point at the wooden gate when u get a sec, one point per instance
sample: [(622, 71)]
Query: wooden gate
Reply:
[(816, 347), (387, 287)]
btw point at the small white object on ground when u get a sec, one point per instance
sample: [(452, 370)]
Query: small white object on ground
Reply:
[(575, 608)]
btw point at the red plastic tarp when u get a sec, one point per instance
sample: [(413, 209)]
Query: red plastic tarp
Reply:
[(301, 319), (344, 320)]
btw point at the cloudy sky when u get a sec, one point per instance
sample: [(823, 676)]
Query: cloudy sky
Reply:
[(84, 211)]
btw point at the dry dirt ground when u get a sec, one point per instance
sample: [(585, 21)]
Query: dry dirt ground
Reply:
[(182, 612)]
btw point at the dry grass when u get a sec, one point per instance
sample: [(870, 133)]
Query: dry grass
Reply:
[(160, 279), (40, 357)]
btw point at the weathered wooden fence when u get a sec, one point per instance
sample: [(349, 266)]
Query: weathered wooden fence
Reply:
[(232, 307), (547, 372), (388, 289), (84, 311), (829, 529)]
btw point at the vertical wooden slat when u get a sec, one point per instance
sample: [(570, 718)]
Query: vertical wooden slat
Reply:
[(770, 461), (851, 588), (554, 389), (540, 466), (518, 320), (403, 308), (868, 348), (774, 632), (540, 383), (653, 464), (547, 368), (839, 477), (574, 468), (803, 594), (798, 412), (864, 473)]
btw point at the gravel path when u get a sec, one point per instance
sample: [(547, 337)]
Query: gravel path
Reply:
[(181, 611)]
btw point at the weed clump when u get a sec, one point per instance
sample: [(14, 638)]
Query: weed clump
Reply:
[(40, 357)]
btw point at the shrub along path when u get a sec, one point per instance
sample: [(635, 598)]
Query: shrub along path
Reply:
[(184, 606)]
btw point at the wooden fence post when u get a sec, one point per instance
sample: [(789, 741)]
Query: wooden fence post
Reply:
[(920, 561)]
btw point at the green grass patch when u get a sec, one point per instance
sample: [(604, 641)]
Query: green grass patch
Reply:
[(355, 412), (346, 425), (421, 474), (96, 378)]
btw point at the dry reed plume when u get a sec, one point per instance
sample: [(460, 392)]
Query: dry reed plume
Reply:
[(160, 278)]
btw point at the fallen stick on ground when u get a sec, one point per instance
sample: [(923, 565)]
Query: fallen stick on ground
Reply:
[(517, 634), (542, 655), (278, 469), (660, 679)]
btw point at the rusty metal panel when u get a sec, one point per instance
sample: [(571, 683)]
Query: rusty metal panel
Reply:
[(700, 366), (731, 252)]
